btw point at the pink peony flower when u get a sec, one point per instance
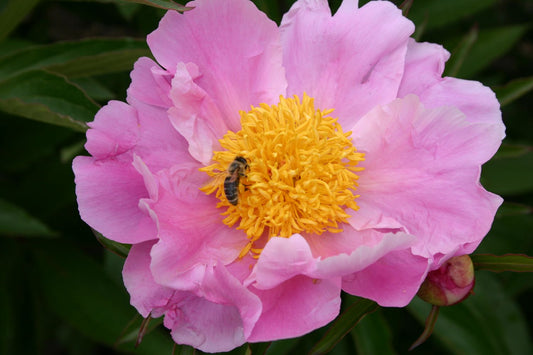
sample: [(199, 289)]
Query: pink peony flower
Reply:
[(258, 171)]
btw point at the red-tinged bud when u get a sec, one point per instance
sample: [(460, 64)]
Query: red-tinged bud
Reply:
[(449, 284)]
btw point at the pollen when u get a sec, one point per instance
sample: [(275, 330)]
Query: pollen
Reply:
[(301, 173)]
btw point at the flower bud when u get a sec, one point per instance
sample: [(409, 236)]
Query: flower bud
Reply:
[(449, 284)]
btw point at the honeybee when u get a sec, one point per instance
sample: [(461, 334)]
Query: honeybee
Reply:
[(236, 170)]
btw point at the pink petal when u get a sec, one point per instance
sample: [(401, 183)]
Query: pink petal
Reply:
[(323, 256), (146, 295), (119, 130), (392, 281), (423, 69), (195, 115), (350, 62), (422, 169), (296, 307), (159, 145), (150, 83), (191, 230), (236, 48), (114, 131), (220, 318), (108, 195)]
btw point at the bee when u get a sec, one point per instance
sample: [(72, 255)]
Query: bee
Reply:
[(236, 170)]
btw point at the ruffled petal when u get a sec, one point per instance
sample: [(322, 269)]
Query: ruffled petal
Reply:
[(146, 295), (422, 169), (323, 256), (423, 69), (191, 232), (219, 317), (391, 281), (148, 74), (108, 195), (236, 48), (350, 62), (296, 307), (114, 131), (195, 115)]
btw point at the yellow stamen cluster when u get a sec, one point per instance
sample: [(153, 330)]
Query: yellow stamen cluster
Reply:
[(301, 174)]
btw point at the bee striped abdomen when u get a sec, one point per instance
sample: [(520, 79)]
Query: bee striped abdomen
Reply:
[(231, 189), (231, 184)]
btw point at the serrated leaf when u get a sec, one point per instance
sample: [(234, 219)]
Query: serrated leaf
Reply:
[(499, 263), (513, 90), (439, 13), (76, 58), (46, 97), (344, 324), (16, 222), (488, 322), (13, 13)]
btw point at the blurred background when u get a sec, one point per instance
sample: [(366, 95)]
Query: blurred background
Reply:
[(61, 290)]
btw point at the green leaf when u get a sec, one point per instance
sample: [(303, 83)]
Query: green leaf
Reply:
[(513, 209), (508, 150), (499, 263), (513, 90), (13, 13), (488, 322), (117, 248), (76, 58), (429, 326), (162, 4), (461, 52), (14, 221), (491, 44), (77, 289), (343, 324), (510, 176), (373, 335), (47, 97), (439, 13), (259, 348)]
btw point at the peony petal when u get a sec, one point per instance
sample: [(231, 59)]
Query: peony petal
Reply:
[(296, 307), (281, 260), (236, 48), (114, 131), (339, 60), (353, 260), (423, 69), (150, 83), (108, 194), (195, 115), (391, 281), (220, 319), (146, 295), (119, 130), (336, 255), (422, 169), (192, 234), (159, 145)]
